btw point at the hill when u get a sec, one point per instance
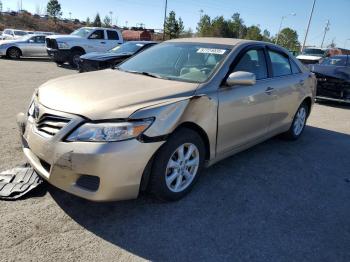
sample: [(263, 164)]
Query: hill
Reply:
[(26, 21)]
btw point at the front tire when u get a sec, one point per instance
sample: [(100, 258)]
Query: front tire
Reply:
[(75, 58), (299, 122), (177, 165), (14, 53)]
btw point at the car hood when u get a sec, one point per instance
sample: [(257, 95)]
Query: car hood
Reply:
[(65, 37), (4, 42), (339, 72), (309, 57), (109, 94), (102, 56)]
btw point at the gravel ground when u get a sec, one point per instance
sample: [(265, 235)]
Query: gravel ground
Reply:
[(278, 201)]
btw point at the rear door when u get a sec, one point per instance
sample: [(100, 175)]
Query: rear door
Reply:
[(245, 111), (288, 85), (112, 39)]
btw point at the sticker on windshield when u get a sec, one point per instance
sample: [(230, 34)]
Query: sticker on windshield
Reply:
[(211, 51)]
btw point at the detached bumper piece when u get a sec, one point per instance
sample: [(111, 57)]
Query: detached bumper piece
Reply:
[(16, 182)]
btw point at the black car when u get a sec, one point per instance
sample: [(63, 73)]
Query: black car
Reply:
[(333, 78), (98, 61)]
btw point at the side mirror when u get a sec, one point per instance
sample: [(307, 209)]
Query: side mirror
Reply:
[(241, 78), (31, 41)]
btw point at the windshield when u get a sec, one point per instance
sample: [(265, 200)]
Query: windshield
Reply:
[(127, 48), (26, 37), (83, 32), (190, 62), (313, 52), (20, 33), (335, 61)]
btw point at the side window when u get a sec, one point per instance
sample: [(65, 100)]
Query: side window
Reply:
[(280, 64), (39, 39), (98, 34), (112, 35), (295, 67), (253, 61)]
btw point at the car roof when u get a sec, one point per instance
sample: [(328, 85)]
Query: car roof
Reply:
[(214, 40)]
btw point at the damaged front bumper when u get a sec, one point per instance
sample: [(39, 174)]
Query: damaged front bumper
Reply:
[(92, 170), (332, 88)]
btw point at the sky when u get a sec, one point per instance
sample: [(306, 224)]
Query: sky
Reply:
[(265, 13)]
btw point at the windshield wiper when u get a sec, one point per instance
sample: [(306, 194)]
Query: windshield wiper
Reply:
[(143, 73)]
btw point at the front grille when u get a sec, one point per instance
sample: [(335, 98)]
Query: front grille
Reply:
[(51, 124), (51, 43)]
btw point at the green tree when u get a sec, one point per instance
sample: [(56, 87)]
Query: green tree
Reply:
[(266, 36), (254, 33), (220, 27), (88, 22), (187, 33), (237, 26), (173, 27), (288, 38), (53, 9), (107, 21), (97, 21), (204, 27)]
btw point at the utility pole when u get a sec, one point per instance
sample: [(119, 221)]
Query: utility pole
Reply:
[(279, 29), (326, 29), (308, 25), (111, 15), (70, 16), (165, 12)]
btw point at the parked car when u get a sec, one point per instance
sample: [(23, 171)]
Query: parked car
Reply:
[(102, 60), (69, 48), (12, 34), (163, 115), (312, 55), (29, 45), (333, 78)]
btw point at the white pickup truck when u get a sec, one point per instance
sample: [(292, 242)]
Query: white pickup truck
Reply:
[(69, 48)]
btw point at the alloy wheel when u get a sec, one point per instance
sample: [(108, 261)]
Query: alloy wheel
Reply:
[(182, 167), (299, 121)]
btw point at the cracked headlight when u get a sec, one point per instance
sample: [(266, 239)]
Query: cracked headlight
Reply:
[(109, 131), (62, 45)]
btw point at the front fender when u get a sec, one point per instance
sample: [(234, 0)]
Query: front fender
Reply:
[(200, 110)]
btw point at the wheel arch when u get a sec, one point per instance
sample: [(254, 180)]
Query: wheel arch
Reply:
[(14, 47), (190, 125), (308, 102), (78, 48)]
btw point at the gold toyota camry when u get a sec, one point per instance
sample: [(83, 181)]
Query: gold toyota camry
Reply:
[(156, 120)]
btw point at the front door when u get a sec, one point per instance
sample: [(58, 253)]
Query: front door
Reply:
[(98, 42), (245, 111)]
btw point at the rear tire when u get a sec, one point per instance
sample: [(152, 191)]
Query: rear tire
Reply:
[(298, 124), (14, 53), (75, 57), (177, 165)]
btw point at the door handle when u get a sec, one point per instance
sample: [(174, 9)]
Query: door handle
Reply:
[(269, 90), (103, 42)]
